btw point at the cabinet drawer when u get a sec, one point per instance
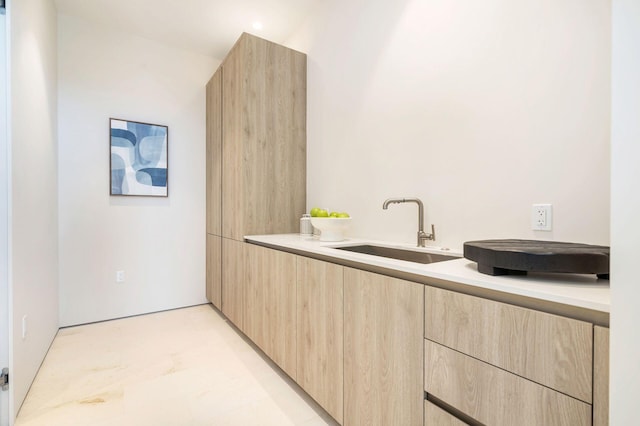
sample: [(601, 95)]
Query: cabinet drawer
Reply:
[(551, 350), (436, 416), (493, 396)]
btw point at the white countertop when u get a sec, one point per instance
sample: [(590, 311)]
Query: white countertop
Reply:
[(583, 291)]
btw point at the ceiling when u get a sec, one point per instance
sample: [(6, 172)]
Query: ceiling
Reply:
[(209, 27)]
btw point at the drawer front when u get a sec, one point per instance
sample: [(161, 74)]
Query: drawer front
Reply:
[(436, 416), (548, 349), (493, 396)]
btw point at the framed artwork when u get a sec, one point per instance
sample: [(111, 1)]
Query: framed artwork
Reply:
[(139, 163)]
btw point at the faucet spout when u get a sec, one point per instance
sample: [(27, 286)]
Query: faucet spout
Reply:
[(386, 203), (422, 236)]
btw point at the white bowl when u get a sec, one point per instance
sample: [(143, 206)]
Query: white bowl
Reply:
[(331, 228)]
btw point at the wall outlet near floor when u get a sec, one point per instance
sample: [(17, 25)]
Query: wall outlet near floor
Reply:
[(119, 276), (24, 327), (541, 217)]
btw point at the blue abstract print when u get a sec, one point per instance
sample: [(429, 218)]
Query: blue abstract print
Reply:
[(138, 158)]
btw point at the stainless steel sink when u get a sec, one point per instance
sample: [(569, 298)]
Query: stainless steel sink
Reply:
[(399, 254)]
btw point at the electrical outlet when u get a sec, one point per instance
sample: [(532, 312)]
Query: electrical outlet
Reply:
[(541, 217), (119, 276)]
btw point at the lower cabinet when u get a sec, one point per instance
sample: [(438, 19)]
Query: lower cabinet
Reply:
[(270, 310), (498, 363), (233, 281), (494, 396), (552, 350), (369, 348), (320, 320), (214, 270), (383, 355)]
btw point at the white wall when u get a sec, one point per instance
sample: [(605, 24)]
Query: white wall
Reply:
[(158, 242), (625, 208), (479, 108), (33, 186)]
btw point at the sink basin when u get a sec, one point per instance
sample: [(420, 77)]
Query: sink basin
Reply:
[(399, 254)]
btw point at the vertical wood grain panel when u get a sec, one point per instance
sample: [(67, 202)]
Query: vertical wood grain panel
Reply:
[(214, 270), (320, 315), (494, 396), (233, 281), (275, 138), (214, 154), (383, 355), (270, 314), (548, 349), (233, 164), (264, 138), (601, 376)]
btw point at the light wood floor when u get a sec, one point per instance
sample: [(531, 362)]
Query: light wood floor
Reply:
[(181, 367)]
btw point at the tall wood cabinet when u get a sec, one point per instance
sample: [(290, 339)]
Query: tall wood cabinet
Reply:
[(263, 139), (214, 189), (256, 153)]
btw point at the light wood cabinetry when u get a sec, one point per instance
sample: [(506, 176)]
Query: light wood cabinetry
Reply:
[(601, 376), (383, 356), (256, 160), (372, 349), (494, 396), (233, 281), (214, 270), (548, 349), (270, 304), (213, 191), (320, 322), (263, 138), (536, 367), (214, 154)]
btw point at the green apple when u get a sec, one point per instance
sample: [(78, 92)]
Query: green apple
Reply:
[(322, 213), (343, 214), (314, 211), (334, 214)]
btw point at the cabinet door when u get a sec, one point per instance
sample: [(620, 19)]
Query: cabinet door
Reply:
[(383, 354), (270, 309), (214, 270), (214, 154), (233, 281), (601, 376), (320, 333), (493, 396), (548, 349), (233, 162), (264, 138)]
